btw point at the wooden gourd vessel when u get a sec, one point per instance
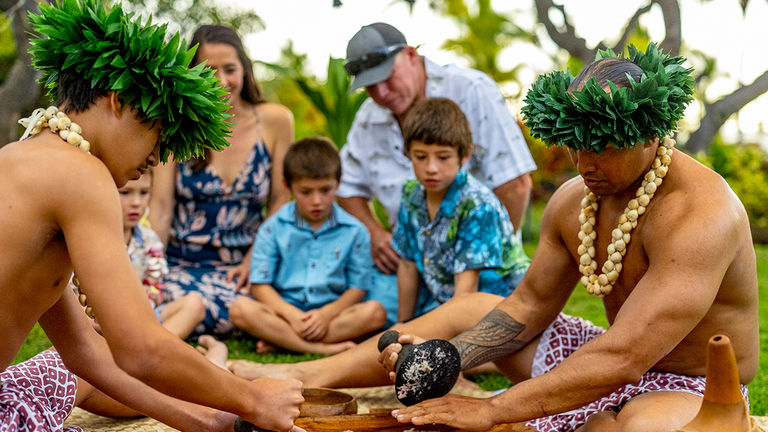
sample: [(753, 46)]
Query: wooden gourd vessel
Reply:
[(723, 408)]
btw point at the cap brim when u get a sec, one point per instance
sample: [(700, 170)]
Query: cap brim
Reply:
[(373, 75)]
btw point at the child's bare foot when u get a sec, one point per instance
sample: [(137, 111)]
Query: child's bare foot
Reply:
[(333, 348), (213, 349), (465, 383), (264, 347), (251, 370)]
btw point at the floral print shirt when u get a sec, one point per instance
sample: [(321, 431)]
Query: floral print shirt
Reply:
[(471, 230), (373, 162)]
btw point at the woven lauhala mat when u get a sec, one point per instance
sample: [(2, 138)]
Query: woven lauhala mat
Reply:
[(368, 400)]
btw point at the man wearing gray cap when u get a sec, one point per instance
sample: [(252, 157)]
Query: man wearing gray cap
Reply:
[(395, 76)]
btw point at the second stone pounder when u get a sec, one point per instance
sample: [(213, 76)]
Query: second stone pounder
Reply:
[(424, 371)]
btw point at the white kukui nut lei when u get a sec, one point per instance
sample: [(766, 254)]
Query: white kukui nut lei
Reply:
[(58, 122), (602, 284)]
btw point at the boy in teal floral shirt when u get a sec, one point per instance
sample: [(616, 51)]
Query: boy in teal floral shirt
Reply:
[(452, 233)]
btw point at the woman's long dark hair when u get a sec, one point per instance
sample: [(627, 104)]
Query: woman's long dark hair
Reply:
[(250, 91)]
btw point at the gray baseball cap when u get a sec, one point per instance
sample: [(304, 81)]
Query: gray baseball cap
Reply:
[(371, 54)]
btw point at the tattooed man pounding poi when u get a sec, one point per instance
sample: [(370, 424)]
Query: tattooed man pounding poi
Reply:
[(660, 238)]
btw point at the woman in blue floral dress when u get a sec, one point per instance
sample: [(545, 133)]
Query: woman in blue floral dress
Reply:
[(209, 209)]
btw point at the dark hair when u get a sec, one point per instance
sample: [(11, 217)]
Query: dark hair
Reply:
[(226, 35), (314, 158), (250, 91), (437, 121), (614, 69), (75, 92)]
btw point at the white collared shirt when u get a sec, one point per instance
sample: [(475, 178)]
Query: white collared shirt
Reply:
[(373, 163)]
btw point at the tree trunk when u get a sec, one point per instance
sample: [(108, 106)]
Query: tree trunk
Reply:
[(719, 111), (20, 87), (716, 113)]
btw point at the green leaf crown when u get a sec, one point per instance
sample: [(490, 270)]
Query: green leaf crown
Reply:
[(592, 118), (116, 53)]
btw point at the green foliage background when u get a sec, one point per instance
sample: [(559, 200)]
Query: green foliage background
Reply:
[(7, 48), (745, 168)]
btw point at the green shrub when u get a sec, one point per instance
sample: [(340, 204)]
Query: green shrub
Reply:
[(7, 47), (745, 168)]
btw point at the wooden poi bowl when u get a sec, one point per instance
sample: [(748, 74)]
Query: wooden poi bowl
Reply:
[(321, 402)]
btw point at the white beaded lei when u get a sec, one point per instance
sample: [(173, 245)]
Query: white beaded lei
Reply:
[(601, 285), (59, 123)]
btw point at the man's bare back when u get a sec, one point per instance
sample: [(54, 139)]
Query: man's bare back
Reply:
[(62, 213)]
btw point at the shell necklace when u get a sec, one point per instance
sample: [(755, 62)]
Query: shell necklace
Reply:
[(58, 122), (601, 285)]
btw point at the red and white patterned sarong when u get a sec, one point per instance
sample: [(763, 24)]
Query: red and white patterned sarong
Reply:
[(37, 395), (564, 336)]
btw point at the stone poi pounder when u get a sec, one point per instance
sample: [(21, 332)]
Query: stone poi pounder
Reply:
[(423, 371)]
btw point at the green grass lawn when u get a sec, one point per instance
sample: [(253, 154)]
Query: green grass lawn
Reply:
[(580, 304)]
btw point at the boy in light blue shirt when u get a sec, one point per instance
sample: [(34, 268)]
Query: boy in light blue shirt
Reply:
[(453, 235), (311, 265)]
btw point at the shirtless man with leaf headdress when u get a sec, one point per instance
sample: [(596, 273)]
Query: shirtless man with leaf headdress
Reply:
[(660, 238), (126, 101)]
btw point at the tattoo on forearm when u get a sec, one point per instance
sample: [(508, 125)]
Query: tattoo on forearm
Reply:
[(493, 337)]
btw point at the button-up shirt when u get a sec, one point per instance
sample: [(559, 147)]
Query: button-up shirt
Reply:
[(311, 268), (471, 230), (373, 163)]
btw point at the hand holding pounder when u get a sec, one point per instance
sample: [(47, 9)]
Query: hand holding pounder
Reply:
[(424, 371)]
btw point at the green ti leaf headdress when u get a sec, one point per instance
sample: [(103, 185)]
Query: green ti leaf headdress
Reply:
[(592, 118), (116, 53)]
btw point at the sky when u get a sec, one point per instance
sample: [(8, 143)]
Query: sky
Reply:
[(716, 27)]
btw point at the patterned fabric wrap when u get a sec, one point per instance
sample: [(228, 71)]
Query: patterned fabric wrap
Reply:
[(471, 230), (564, 336), (213, 227), (37, 395)]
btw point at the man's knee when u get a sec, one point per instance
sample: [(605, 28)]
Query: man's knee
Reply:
[(469, 309), (375, 315), (658, 411), (194, 303), (604, 421)]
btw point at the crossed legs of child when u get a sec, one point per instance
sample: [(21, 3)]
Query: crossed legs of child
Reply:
[(264, 323), (182, 315)]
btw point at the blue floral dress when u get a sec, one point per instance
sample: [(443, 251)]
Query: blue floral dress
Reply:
[(212, 229)]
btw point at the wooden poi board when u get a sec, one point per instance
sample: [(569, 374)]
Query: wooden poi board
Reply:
[(384, 422)]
